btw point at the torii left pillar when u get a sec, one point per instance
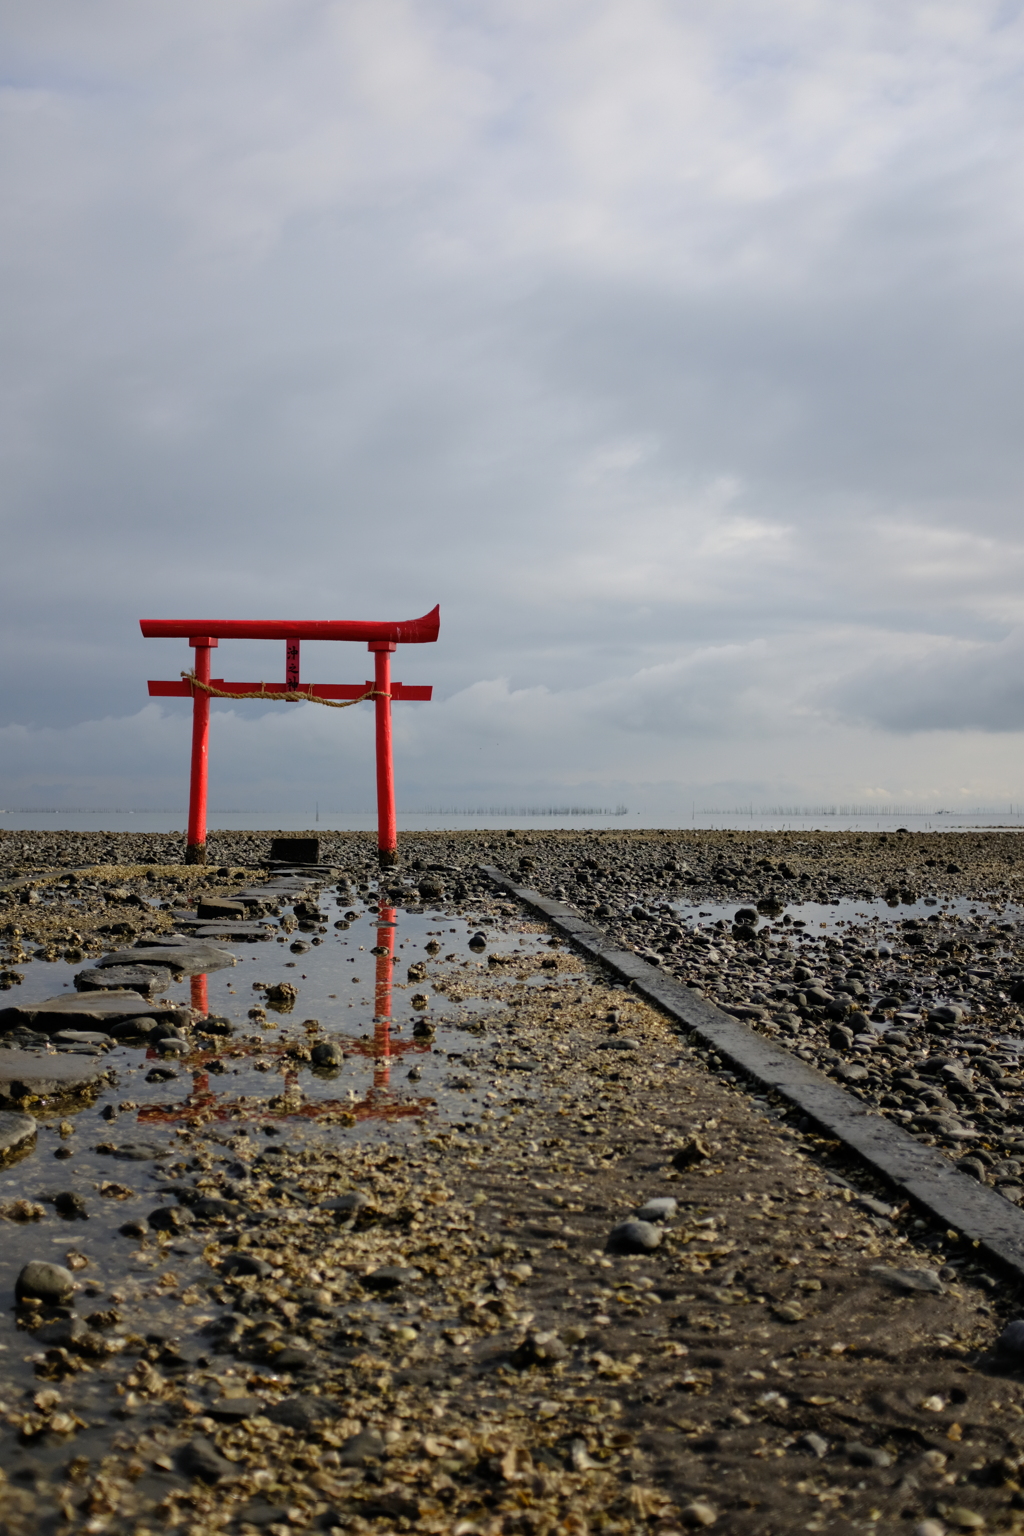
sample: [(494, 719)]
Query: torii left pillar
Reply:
[(195, 841)]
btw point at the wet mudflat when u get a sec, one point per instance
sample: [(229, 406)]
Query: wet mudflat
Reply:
[(380, 1321)]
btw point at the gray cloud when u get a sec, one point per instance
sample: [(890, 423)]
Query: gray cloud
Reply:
[(954, 687), (673, 352)]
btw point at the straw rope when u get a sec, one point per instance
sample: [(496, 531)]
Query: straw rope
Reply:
[(288, 698)]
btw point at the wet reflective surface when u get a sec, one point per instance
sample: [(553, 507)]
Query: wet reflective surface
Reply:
[(394, 992), (815, 917)]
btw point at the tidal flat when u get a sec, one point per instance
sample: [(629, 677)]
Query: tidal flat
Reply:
[(406, 1217)]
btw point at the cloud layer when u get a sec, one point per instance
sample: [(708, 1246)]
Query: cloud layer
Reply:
[(673, 350)]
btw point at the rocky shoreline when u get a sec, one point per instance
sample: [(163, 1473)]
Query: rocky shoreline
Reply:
[(618, 1294)]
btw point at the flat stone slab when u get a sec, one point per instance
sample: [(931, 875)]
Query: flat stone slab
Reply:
[(234, 930), (137, 978), (176, 950), (17, 1132), (219, 906), (86, 1010), (240, 924), (39, 1075)]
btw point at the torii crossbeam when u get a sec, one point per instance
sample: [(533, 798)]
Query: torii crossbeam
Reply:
[(381, 638)]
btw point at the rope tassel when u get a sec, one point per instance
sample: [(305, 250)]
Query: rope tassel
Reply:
[(298, 697)]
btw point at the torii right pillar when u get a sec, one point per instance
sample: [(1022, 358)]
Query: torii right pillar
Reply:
[(387, 821)]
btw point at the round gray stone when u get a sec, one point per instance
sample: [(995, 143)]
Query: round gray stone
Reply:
[(43, 1281), (663, 1208), (1011, 1340), (633, 1237), (16, 1133)]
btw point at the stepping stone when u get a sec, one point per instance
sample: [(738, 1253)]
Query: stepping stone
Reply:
[(87, 1010), (295, 850), (218, 907), (230, 930), (16, 1133), (39, 1075), (138, 978), (176, 950)]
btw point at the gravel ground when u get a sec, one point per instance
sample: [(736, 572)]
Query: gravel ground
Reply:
[(464, 1350)]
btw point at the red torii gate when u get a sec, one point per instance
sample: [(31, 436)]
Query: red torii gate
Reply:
[(381, 638)]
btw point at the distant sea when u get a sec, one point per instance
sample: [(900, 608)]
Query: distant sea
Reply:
[(613, 820)]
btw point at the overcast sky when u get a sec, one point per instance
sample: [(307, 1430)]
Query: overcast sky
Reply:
[(673, 346)]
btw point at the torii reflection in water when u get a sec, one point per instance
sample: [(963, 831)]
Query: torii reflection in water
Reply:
[(203, 1104)]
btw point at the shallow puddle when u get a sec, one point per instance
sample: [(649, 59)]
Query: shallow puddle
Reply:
[(403, 1040), (811, 918)]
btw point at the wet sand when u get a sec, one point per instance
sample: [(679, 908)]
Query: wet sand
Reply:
[(459, 1347)]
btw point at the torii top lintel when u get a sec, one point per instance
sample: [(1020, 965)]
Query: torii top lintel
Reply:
[(404, 632)]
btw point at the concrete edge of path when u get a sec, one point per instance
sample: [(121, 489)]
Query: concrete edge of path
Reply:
[(978, 1213)]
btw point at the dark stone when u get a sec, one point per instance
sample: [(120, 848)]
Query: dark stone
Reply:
[(633, 1237), (292, 1358), (327, 1053), (246, 1264), (358, 1449), (232, 1410), (17, 1132), (295, 850), (543, 1349), (346, 1205), (852, 1072), (213, 1025), (42, 1075), (82, 1039), (137, 978), (1011, 1340), (170, 1218), (691, 1152), (394, 1506), (134, 1029), (390, 1277), (909, 1280), (867, 1455), (90, 1010), (68, 1204), (200, 1458), (65, 1333), (172, 1045), (209, 1208), (219, 906), (189, 955), (303, 1413), (260, 1513)]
